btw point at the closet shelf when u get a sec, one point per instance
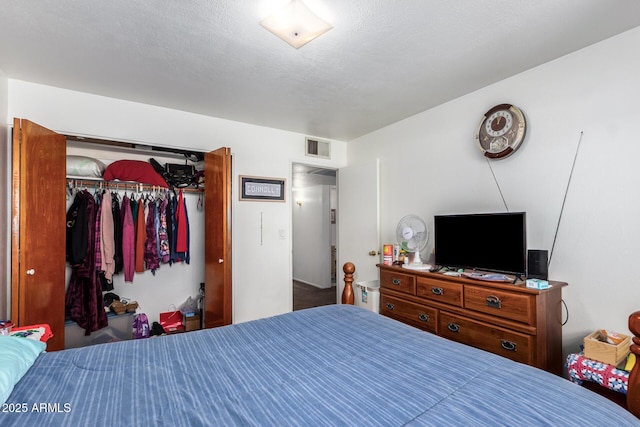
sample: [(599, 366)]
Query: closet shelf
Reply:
[(124, 185)]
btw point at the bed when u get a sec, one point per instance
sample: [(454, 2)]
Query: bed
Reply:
[(331, 365)]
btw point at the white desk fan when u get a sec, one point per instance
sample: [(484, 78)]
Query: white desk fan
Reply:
[(413, 235)]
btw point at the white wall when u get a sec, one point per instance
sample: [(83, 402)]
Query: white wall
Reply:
[(262, 266), (430, 164), (312, 235), (5, 191)]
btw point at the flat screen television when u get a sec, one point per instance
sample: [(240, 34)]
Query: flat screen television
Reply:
[(495, 242)]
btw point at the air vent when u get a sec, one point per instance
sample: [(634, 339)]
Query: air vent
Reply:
[(318, 148)]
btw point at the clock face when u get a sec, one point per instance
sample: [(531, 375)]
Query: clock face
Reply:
[(501, 131), (499, 123)]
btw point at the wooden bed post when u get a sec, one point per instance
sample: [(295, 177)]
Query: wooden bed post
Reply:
[(633, 386), (347, 293)]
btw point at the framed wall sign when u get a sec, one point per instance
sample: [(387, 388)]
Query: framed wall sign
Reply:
[(258, 188)]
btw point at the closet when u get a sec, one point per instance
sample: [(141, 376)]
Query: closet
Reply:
[(38, 231)]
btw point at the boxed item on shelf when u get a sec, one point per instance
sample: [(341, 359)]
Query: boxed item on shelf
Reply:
[(596, 347), (387, 254), (537, 284), (191, 322)]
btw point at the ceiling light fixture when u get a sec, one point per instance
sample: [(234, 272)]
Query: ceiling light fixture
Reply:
[(296, 24)]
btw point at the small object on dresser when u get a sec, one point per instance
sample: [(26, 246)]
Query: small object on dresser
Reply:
[(387, 254), (452, 273), (537, 284)]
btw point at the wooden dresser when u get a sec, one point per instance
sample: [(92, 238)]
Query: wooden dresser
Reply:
[(513, 321)]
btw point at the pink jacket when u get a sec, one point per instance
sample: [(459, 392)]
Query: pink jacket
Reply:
[(107, 243)]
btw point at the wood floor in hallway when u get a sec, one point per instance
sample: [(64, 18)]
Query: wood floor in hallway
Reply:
[(306, 296)]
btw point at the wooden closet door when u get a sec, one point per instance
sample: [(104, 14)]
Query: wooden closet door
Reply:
[(217, 291), (38, 237)]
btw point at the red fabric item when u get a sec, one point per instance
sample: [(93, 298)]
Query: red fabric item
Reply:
[(128, 240), (45, 336), (580, 368), (181, 219), (134, 170)]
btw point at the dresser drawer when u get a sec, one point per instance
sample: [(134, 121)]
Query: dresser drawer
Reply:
[(439, 290), (513, 345), (510, 305), (420, 316), (398, 281)]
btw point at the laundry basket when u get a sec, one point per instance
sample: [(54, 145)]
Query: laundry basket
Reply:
[(367, 295)]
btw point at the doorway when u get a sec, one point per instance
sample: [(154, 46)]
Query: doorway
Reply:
[(314, 236)]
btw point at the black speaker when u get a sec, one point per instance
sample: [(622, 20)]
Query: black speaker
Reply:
[(537, 264)]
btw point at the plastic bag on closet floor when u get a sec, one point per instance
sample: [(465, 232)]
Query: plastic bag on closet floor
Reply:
[(189, 307)]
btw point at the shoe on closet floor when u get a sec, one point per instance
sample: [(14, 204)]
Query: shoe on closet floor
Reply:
[(118, 307), (132, 306)]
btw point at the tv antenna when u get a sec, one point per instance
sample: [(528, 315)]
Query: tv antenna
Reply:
[(497, 185), (566, 191)]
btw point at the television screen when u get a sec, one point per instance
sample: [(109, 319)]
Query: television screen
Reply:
[(489, 241)]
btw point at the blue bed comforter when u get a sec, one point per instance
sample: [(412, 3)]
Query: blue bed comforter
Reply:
[(333, 365)]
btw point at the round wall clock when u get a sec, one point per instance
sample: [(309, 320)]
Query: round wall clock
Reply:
[(501, 131)]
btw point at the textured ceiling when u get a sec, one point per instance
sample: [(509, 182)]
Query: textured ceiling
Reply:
[(383, 61)]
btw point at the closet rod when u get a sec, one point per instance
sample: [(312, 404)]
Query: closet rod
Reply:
[(125, 185)]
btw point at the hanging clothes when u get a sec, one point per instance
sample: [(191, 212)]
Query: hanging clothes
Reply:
[(83, 299), (106, 285), (128, 240), (98, 238), (180, 226), (170, 226), (134, 208), (151, 245), (181, 241), (107, 241), (141, 237), (77, 230), (175, 256), (156, 225), (117, 234), (186, 220), (163, 238)]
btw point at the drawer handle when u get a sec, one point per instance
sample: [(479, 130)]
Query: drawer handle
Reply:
[(508, 345), (453, 327), (437, 291), (493, 301), (389, 306), (423, 317), (396, 281)]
